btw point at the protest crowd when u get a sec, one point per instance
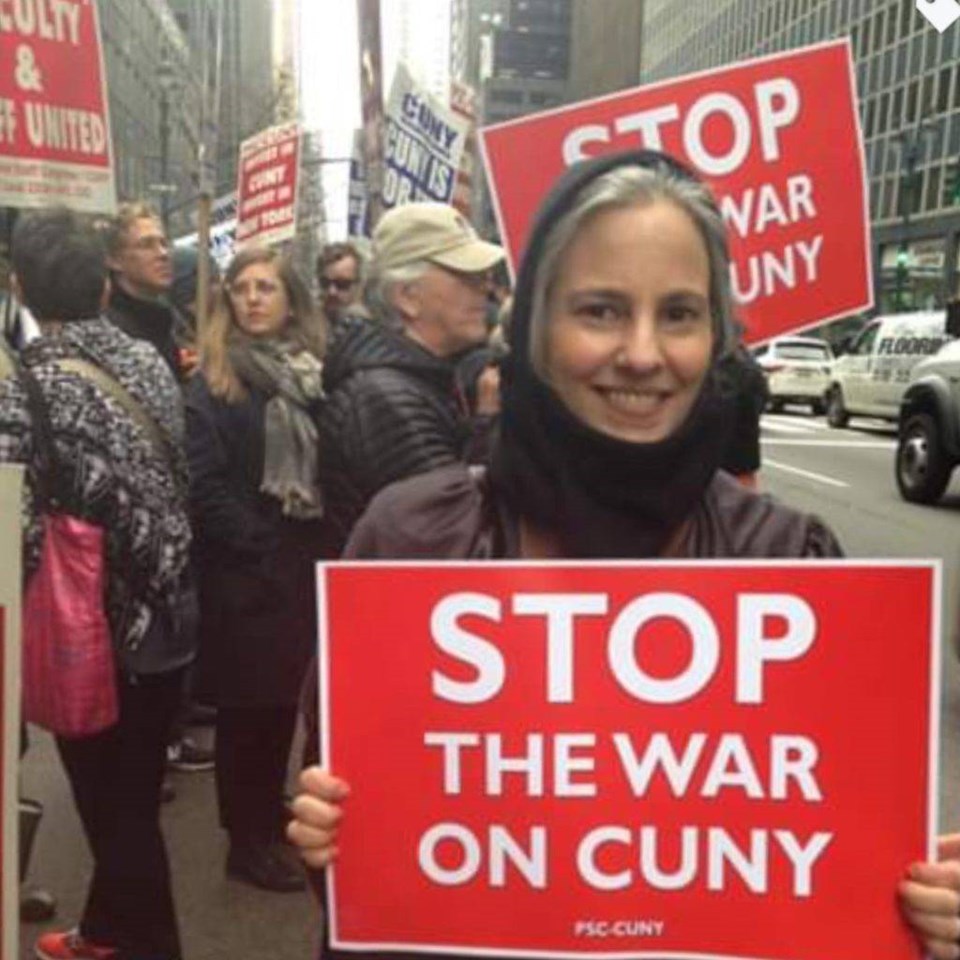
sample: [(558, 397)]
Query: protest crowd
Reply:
[(194, 441), (394, 420)]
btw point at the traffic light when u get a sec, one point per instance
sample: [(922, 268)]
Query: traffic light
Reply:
[(951, 184), (903, 258)]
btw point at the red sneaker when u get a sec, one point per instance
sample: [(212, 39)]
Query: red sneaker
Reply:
[(70, 946)]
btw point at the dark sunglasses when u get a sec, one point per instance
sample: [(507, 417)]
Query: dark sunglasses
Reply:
[(342, 285)]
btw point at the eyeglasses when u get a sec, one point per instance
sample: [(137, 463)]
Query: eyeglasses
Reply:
[(265, 288), (341, 286), (151, 243)]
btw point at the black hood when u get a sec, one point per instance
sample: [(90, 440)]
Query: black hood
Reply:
[(557, 202), (601, 495), (359, 343)]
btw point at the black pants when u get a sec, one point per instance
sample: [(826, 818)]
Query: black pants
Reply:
[(252, 752), (116, 777)]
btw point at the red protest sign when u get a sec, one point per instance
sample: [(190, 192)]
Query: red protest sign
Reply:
[(789, 174), (711, 759), (55, 142), (268, 176)]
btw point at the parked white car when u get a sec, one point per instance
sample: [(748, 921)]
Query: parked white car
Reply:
[(798, 370)]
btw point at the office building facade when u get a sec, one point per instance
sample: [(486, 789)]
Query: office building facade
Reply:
[(154, 94), (606, 47)]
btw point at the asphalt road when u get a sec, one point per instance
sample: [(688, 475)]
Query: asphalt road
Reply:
[(844, 475)]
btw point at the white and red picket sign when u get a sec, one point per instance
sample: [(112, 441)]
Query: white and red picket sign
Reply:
[(711, 759), (267, 183), (777, 138), (55, 144)]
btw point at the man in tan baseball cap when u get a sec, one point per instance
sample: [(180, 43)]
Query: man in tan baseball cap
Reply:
[(395, 406), (435, 232), (431, 272)]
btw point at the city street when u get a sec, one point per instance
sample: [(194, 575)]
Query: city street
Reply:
[(846, 476)]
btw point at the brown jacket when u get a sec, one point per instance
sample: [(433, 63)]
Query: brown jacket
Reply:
[(451, 514)]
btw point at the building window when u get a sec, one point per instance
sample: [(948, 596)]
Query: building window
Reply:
[(899, 63), (953, 138), (933, 189), (884, 113), (926, 99), (506, 96), (893, 190), (896, 120), (943, 93), (912, 91), (906, 19), (916, 55)]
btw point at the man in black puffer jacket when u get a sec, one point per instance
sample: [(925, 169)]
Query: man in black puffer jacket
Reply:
[(394, 406)]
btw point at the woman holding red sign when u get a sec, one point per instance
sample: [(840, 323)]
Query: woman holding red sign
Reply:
[(614, 425)]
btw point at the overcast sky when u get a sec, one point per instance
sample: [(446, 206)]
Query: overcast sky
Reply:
[(330, 88)]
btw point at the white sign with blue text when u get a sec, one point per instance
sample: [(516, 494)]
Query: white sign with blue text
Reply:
[(424, 144)]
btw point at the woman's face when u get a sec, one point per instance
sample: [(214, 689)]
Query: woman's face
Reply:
[(259, 300), (629, 333)]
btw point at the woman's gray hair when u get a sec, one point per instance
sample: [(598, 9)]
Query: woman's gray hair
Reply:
[(629, 186), (380, 284)]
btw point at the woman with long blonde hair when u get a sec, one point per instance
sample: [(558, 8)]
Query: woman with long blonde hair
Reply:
[(256, 502)]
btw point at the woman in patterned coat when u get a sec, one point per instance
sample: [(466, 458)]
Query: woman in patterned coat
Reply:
[(109, 470)]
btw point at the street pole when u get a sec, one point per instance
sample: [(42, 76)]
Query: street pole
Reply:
[(207, 148), (164, 155)]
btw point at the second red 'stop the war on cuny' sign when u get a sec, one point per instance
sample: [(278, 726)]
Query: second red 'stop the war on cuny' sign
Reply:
[(777, 138)]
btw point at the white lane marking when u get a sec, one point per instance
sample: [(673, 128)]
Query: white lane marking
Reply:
[(809, 474), (778, 427), (796, 422), (847, 445)]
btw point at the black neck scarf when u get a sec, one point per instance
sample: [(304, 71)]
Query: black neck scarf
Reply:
[(603, 497)]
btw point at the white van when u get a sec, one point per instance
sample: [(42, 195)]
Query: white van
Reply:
[(871, 378)]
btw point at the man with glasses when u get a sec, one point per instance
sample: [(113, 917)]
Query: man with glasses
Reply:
[(394, 407), (339, 275), (141, 272)]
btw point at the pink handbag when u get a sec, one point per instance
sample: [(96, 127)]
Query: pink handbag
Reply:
[(69, 680), (68, 674)]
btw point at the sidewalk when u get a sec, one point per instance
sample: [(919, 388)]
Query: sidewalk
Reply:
[(219, 918)]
